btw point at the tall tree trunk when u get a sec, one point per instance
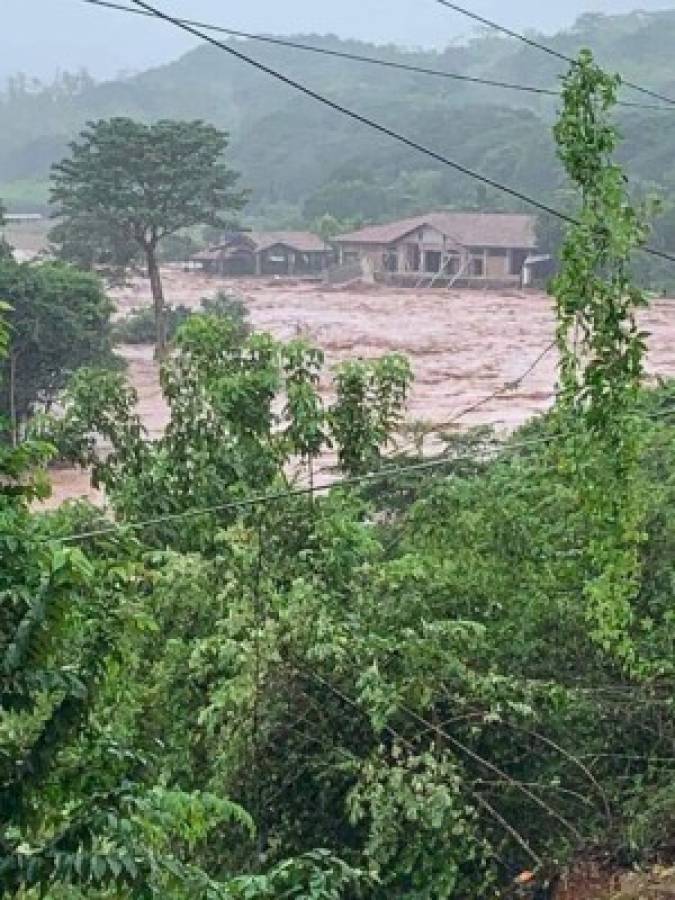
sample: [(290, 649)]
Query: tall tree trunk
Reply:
[(157, 299), (13, 422)]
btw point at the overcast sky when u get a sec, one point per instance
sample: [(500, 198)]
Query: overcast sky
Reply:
[(40, 37)]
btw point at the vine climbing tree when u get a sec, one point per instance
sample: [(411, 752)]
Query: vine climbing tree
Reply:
[(602, 352)]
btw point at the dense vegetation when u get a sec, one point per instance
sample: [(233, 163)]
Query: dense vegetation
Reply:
[(415, 684), (59, 320), (138, 327)]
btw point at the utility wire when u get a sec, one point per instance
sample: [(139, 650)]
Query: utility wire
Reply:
[(397, 736), (265, 499), (506, 388), (531, 42), (363, 58), (376, 126)]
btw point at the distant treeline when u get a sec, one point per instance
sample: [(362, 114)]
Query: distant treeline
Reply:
[(302, 161)]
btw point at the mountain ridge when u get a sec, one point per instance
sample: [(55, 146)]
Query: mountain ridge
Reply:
[(301, 160)]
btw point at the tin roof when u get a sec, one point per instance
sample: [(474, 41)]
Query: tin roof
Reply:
[(504, 230), (303, 241), (256, 241)]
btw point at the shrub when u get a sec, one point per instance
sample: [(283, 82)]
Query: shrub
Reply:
[(139, 326)]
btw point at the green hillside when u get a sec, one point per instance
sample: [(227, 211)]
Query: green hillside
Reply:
[(301, 160)]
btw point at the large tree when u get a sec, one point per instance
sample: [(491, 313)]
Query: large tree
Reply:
[(59, 320), (126, 186)]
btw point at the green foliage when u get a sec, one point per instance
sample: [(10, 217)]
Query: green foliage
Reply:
[(87, 242), (59, 320), (151, 180), (594, 291), (295, 155), (5, 248), (413, 690), (138, 327), (317, 875), (225, 437), (328, 226), (306, 431), (128, 186), (602, 352), (370, 401), (228, 306), (72, 817), (414, 804)]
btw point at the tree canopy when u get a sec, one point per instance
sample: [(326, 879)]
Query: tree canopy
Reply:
[(126, 186), (58, 319)]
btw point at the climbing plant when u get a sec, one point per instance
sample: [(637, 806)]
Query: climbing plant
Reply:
[(602, 353)]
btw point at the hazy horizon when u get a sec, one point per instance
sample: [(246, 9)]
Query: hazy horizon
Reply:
[(47, 36)]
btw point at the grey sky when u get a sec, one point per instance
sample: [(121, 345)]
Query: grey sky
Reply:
[(40, 37)]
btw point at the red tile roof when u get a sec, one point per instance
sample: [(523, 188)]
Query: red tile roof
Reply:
[(504, 230)]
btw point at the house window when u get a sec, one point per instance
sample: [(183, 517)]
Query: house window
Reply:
[(477, 267), (432, 261), (391, 261)]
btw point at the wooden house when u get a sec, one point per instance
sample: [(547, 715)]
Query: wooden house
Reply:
[(265, 253), (464, 249)]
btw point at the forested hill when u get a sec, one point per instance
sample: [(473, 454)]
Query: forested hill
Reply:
[(301, 160)]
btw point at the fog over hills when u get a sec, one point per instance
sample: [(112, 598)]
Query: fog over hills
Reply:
[(301, 160), (45, 36)]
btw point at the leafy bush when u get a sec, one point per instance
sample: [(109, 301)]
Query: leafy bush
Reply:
[(229, 307), (138, 327)]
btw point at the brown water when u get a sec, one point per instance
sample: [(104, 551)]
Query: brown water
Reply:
[(463, 345)]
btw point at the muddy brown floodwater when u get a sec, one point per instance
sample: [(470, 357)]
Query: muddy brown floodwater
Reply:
[(463, 345)]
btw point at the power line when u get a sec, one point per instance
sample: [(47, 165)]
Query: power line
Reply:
[(363, 58), (376, 126), (353, 704), (310, 490), (265, 499), (505, 388), (537, 45)]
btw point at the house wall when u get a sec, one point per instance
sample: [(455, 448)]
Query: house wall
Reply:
[(415, 254), (371, 254), (283, 260), (241, 264), (277, 260), (497, 263)]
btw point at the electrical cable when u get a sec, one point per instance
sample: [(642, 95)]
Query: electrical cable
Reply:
[(537, 45), (376, 126), (363, 58), (264, 499)]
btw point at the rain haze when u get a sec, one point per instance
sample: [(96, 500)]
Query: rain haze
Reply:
[(42, 37)]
